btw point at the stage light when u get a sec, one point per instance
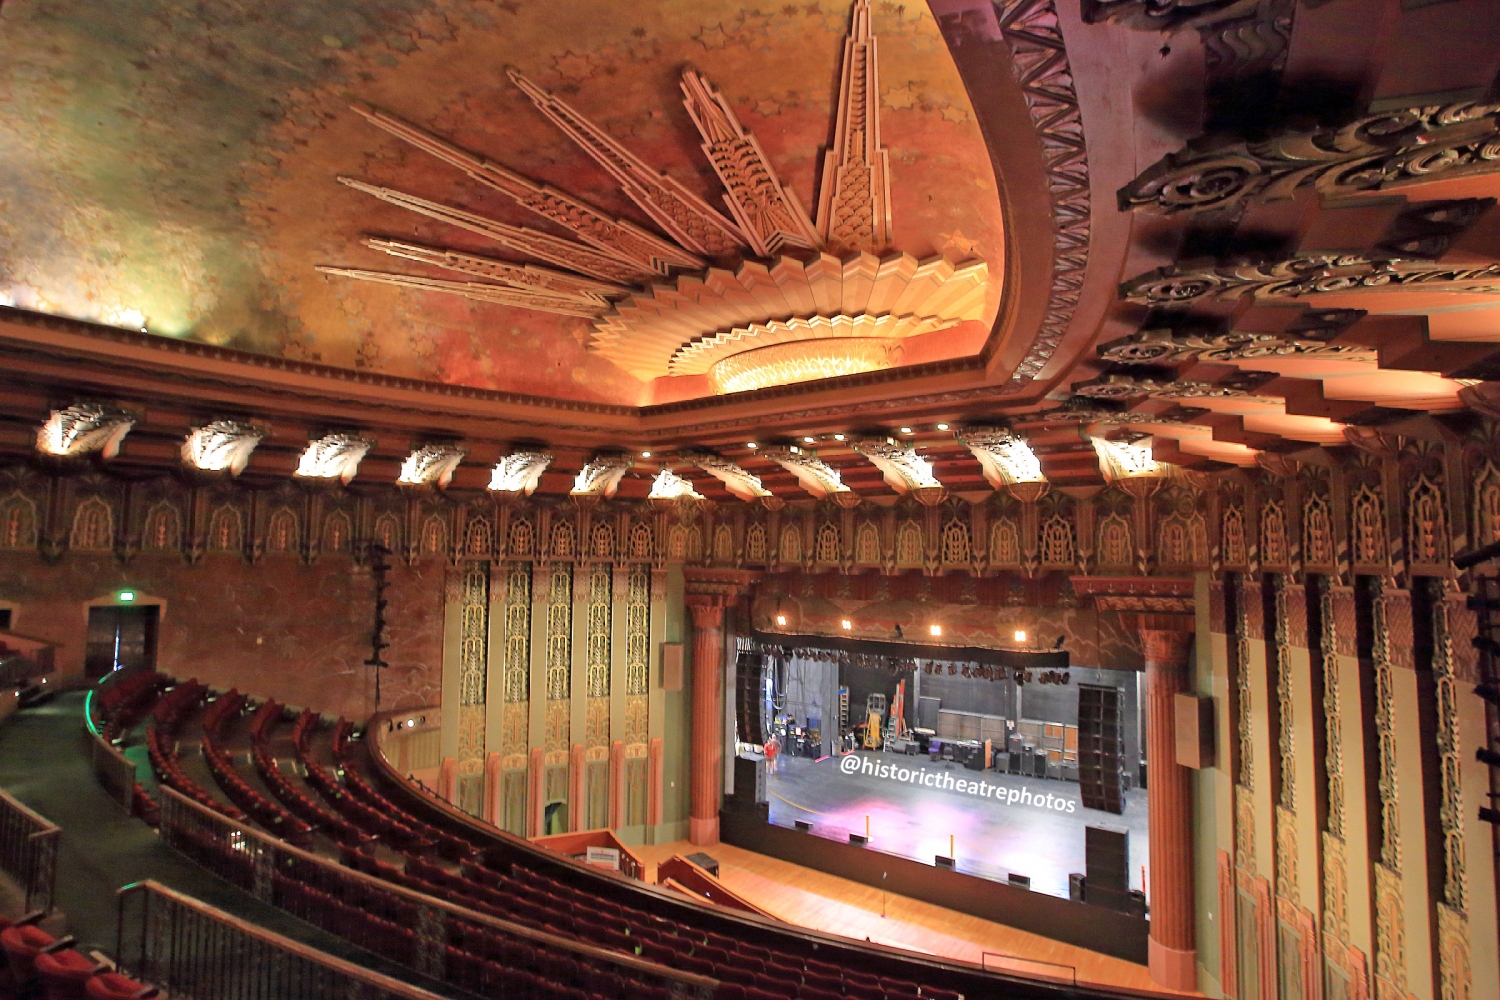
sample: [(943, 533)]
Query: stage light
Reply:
[(847, 624), (126, 596), (781, 620), (1020, 635), (936, 630)]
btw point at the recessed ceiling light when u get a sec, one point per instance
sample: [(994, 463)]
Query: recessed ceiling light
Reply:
[(906, 430), (645, 454), (936, 630), (838, 437), (942, 427), (751, 444), (808, 440), (1020, 635), (847, 624)]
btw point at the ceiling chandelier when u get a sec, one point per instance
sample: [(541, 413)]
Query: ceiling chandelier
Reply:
[(766, 295)]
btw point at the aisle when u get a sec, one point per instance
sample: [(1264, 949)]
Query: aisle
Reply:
[(44, 763)]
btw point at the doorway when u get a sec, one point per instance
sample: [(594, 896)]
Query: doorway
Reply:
[(121, 638), (555, 819)]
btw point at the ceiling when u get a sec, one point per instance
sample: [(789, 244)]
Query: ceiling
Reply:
[(175, 167), (178, 169)]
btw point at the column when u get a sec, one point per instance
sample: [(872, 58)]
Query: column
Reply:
[(707, 749), (1169, 806)]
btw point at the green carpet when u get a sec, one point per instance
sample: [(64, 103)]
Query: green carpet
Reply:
[(44, 763)]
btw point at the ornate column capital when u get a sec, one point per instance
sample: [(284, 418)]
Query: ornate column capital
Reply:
[(707, 609), (1167, 647), (725, 585)]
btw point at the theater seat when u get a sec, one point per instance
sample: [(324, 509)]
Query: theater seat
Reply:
[(113, 986), (22, 944), (64, 973)]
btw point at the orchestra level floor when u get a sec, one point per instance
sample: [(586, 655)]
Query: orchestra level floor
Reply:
[(834, 905)]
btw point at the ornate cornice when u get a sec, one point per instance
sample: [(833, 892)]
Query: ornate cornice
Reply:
[(1370, 154), (1040, 61), (1307, 274)]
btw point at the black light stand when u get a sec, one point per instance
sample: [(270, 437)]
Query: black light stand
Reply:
[(378, 569), (1484, 600)]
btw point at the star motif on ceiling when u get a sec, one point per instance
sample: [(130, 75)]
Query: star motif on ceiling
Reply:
[(764, 294), (572, 66), (713, 38), (960, 243)]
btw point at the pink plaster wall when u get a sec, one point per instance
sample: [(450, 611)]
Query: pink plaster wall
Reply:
[(278, 628)]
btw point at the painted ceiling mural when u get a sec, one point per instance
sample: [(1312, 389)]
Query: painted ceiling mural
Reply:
[(177, 168)]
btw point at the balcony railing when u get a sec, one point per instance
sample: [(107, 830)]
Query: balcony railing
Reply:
[(188, 949), (28, 852)]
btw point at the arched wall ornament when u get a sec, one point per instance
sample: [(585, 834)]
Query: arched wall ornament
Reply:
[(602, 541), (226, 529), (956, 547), (1056, 542), (723, 545), (791, 545), (828, 549), (18, 522), (1005, 543), (867, 545), (1487, 503), (755, 544), (163, 529), (1367, 528), (1232, 536), (478, 537), (388, 531), (434, 535), (1274, 550), (1427, 524), (338, 533), (282, 533), (909, 545), (1115, 546), (642, 545), (93, 527), (1317, 531), (564, 539)]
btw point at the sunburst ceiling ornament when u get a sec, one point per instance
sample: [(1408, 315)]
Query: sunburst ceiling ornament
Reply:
[(761, 296)]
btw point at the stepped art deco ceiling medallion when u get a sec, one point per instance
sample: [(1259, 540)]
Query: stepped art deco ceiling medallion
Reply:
[(757, 294)]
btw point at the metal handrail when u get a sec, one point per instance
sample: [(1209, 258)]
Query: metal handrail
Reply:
[(28, 851), (187, 948), (265, 857), (1072, 976)]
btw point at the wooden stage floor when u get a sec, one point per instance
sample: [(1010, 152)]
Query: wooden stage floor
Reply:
[(834, 905)]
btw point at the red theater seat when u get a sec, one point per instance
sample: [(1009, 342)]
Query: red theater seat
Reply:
[(22, 944), (65, 973), (113, 986)]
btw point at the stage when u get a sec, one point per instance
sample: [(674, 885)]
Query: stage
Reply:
[(1001, 823)]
